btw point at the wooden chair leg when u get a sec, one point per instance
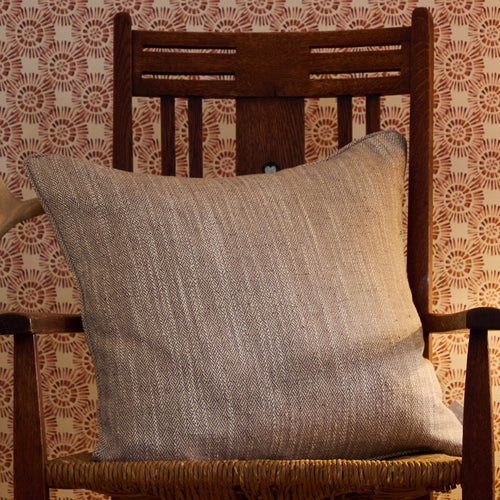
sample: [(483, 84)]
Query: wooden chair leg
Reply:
[(478, 464), (29, 439)]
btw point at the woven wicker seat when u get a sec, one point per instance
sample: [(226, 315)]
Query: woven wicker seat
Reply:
[(266, 479), (264, 96)]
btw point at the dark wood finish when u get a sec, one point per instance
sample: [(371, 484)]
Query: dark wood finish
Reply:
[(122, 93), (25, 324), (478, 469), (344, 115), (272, 74), (14, 324), (293, 66), (444, 322), (269, 130), (29, 435), (320, 87), (478, 463), (481, 318), (195, 123), (372, 113), (421, 153), (167, 126)]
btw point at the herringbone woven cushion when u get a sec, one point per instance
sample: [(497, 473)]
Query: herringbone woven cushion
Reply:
[(263, 316)]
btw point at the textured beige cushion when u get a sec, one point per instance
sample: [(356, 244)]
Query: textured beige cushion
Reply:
[(263, 316)]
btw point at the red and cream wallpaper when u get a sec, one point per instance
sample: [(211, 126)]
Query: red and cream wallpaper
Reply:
[(56, 96)]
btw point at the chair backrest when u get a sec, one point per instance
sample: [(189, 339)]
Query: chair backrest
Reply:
[(270, 75)]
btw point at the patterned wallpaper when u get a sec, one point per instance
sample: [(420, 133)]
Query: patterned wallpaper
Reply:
[(55, 96)]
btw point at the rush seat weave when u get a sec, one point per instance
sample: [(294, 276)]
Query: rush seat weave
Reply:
[(264, 479)]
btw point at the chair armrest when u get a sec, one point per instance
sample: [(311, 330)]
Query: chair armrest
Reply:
[(481, 318), (478, 440), (18, 324)]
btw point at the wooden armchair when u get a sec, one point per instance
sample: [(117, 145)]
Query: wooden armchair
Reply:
[(270, 75)]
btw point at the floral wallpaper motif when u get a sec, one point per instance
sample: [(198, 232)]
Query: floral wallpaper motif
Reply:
[(56, 97)]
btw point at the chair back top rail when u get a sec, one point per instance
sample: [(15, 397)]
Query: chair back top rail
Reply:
[(305, 64)]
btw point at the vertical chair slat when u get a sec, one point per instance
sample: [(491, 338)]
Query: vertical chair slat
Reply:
[(122, 93), (195, 116), (167, 117), (372, 113), (269, 130), (29, 435), (344, 115)]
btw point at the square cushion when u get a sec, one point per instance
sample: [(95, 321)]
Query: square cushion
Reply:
[(261, 316)]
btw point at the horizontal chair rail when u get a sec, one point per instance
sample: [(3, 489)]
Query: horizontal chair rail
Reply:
[(213, 64), (189, 64), (342, 62), (19, 324), (390, 85), (346, 38), (481, 318)]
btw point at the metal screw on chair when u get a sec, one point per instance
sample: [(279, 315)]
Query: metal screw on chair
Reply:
[(270, 167)]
